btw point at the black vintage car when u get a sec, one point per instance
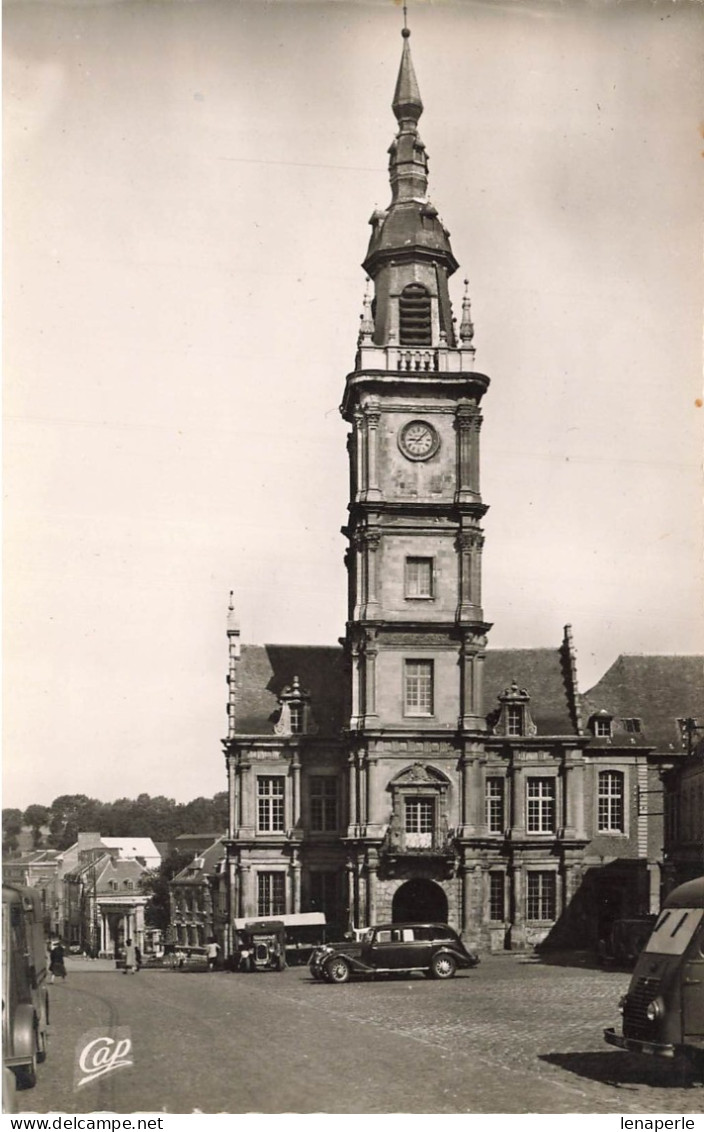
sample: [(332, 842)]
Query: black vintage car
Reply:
[(436, 950)]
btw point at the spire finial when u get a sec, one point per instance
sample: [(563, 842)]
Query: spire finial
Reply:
[(407, 104), (233, 623), (366, 319), (466, 325)]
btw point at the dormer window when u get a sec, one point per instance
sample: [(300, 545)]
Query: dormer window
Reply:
[(414, 316), (295, 717), (601, 725), (632, 726), (512, 718)]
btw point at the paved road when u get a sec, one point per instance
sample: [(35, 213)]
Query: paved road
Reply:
[(512, 1036)]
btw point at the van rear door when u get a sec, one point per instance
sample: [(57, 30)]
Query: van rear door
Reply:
[(693, 991)]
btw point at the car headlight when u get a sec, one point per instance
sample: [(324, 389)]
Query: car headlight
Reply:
[(622, 1003), (654, 1009)]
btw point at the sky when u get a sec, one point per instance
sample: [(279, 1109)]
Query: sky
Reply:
[(187, 189)]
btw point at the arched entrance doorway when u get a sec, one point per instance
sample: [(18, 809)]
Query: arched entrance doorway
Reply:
[(419, 900)]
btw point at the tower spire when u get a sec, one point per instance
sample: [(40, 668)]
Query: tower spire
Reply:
[(407, 104)]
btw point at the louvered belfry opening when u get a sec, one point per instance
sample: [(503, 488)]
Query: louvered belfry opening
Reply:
[(414, 316)]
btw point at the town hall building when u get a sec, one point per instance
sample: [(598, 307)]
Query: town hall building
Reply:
[(414, 773)]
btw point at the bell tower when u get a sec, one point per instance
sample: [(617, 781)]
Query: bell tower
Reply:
[(416, 633)]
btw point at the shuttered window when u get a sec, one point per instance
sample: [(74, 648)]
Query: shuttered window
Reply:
[(414, 316)]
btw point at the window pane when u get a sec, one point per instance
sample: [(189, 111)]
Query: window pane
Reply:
[(496, 896), (514, 719), (610, 801), (419, 577), (270, 804), (540, 805), (419, 687), (540, 896), (271, 894), (495, 805), (324, 894), (420, 815), (323, 804)]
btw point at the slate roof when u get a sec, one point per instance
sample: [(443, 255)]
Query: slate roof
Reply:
[(655, 689), (264, 670), (545, 675), (201, 866)]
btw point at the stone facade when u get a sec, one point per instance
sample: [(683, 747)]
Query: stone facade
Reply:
[(415, 773)]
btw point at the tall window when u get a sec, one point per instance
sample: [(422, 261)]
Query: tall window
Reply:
[(414, 316), (540, 815), (324, 894), (496, 896), (419, 822), (270, 804), (495, 806), (540, 896), (514, 719), (610, 801), (419, 577), (418, 691), (323, 804), (271, 894)]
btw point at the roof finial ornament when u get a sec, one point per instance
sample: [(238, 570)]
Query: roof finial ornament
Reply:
[(366, 324), (466, 325), (405, 31)]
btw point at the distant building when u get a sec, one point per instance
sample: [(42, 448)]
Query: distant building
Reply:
[(197, 899), (40, 868), (104, 902)]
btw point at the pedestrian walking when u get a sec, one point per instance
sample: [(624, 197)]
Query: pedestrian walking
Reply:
[(57, 965), (130, 958), (212, 948)]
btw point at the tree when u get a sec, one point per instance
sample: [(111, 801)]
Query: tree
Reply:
[(156, 885), (36, 816), (11, 829)]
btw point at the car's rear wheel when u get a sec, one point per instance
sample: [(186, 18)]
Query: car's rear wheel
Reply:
[(337, 970), (442, 966)]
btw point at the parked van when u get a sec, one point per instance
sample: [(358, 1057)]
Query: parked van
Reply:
[(25, 999), (663, 1011)]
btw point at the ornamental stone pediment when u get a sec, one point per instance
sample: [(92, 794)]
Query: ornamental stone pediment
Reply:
[(419, 775)]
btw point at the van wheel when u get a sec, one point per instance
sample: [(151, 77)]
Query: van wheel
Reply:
[(27, 1074), (442, 966), (338, 970)]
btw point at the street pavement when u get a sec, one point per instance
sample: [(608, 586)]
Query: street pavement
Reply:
[(515, 1035)]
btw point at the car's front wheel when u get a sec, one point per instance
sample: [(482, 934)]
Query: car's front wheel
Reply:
[(337, 970), (442, 966)]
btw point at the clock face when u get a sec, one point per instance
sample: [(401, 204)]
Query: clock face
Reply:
[(418, 440)]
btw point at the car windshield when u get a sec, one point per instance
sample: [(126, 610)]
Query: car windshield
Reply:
[(674, 930)]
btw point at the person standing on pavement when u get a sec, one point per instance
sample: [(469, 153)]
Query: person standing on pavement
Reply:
[(130, 958), (57, 965), (212, 948)]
